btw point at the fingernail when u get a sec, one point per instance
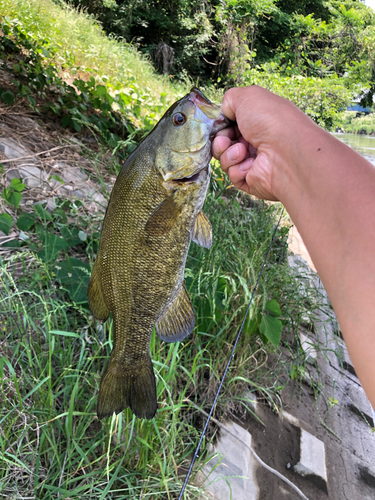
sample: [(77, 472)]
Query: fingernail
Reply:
[(233, 153)]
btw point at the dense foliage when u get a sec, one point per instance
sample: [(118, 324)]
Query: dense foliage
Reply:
[(243, 42)]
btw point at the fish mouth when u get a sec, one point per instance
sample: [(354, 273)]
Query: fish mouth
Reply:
[(192, 178), (213, 112), (189, 150), (220, 123), (205, 105)]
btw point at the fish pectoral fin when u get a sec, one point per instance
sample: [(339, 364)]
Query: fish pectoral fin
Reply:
[(163, 217), (178, 320), (128, 387), (202, 231), (95, 295)]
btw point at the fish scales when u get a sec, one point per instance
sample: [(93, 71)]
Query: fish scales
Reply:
[(153, 214)]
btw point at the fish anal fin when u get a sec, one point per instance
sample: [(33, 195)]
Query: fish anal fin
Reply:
[(202, 231), (163, 217), (178, 320), (123, 387), (95, 295)]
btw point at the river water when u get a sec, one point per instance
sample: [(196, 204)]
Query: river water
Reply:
[(363, 144)]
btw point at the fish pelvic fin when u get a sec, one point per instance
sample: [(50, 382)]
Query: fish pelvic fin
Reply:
[(202, 231), (95, 295), (178, 320), (124, 387)]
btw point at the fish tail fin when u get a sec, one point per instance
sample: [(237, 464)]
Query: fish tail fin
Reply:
[(123, 387)]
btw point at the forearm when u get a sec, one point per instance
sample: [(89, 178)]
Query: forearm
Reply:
[(330, 195), (328, 190)]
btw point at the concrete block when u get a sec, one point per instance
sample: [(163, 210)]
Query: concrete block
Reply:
[(312, 457), (289, 418), (230, 473)]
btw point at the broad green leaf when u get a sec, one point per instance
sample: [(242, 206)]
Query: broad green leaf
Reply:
[(52, 245), (66, 121), (6, 223), (252, 323), (25, 221), (12, 244), (271, 328), (273, 307), (71, 235), (31, 100), (17, 185), (78, 293), (59, 215), (41, 212), (11, 197), (73, 272), (100, 90), (46, 52), (76, 125), (8, 97), (75, 275)]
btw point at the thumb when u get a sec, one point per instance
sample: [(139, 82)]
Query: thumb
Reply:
[(230, 103)]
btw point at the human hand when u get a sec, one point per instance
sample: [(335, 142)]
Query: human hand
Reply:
[(259, 152)]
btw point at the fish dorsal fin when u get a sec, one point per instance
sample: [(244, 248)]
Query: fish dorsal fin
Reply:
[(95, 294), (178, 320), (202, 231), (163, 217)]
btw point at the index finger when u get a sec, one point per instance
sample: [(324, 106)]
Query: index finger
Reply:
[(231, 132)]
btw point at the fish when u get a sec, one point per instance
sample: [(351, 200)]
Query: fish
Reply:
[(154, 212)]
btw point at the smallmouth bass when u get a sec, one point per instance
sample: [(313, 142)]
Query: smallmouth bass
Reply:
[(153, 213)]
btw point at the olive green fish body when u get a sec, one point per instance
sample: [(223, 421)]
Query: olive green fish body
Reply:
[(153, 213)]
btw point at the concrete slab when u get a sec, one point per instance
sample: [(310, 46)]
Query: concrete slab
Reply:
[(230, 473), (289, 418), (312, 458)]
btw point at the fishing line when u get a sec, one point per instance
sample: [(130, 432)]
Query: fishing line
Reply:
[(229, 362)]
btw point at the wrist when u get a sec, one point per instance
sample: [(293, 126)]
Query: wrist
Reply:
[(294, 160)]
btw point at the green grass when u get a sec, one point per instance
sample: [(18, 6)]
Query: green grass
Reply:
[(53, 352), (83, 50), (53, 51)]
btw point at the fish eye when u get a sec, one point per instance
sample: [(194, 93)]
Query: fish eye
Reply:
[(179, 119)]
